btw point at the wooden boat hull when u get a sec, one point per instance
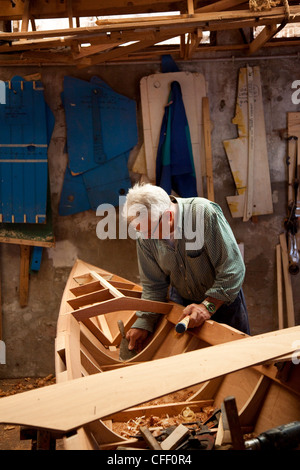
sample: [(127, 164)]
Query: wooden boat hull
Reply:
[(87, 343)]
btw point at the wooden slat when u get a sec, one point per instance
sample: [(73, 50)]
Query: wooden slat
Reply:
[(267, 33), (250, 410), (158, 410), (25, 16), (103, 394), (24, 274), (279, 287), (208, 151), (287, 282), (91, 298), (121, 303)]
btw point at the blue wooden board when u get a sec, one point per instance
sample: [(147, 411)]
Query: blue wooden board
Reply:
[(107, 182), (74, 196), (101, 124), (101, 131), (25, 127)]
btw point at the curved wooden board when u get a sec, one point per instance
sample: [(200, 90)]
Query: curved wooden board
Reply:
[(69, 405)]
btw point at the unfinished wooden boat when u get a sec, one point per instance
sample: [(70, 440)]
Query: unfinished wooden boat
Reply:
[(87, 345)]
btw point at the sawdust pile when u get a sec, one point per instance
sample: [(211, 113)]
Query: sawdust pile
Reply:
[(262, 5), (13, 386), (156, 424)]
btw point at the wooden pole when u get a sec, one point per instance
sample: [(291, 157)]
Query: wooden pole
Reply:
[(208, 151)]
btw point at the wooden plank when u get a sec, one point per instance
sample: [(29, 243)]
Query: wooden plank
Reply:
[(25, 16), (91, 298), (249, 412), (221, 5), (287, 282), (104, 283), (159, 410), (24, 274), (251, 175), (137, 384), (208, 151), (279, 287), (155, 90), (267, 33), (234, 424), (248, 207), (149, 438), (174, 439), (121, 303)]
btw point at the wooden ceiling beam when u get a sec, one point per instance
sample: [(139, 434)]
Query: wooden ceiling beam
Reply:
[(221, 5), (85, 8), (122, 51), (25, 16), (267, 33), (225, 20)]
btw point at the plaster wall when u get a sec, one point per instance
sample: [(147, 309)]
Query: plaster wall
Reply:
[(29, 332)]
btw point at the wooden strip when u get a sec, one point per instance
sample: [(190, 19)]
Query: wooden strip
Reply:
[(138, 384), (25, 16), (91, 298), (221, 5), (279, 287), (149, 438), (287, 282), (113, 290), (234, 424), (122, 303), (158, 410), (275, 15), (86, 288), (208, 152), (24, 274), (267, 33), (174, 439), (250, 410), (248, 209)]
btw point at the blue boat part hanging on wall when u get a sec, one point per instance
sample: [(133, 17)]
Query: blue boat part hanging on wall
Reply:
[(26, 125), (101, 130)]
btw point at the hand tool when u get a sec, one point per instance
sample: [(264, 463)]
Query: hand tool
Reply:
[(125, 354), (182, 326)]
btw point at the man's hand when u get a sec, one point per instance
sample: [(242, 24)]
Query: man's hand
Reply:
[(198, 314), (136, 338)]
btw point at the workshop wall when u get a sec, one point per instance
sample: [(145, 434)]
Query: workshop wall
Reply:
[(29, 332)]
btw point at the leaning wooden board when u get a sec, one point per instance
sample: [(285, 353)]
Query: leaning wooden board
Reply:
[(69, 405), (155, 90), (248, 155)]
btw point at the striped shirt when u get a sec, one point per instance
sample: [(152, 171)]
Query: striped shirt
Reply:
[(212, 267)]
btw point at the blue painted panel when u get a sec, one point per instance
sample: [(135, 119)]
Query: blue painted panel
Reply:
[(36, 258), (117, 120), (77, 99), (107, 182), (74, 196), (26, 123), (101, 124)]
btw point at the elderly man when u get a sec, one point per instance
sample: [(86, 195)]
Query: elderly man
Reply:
[(186, 250)]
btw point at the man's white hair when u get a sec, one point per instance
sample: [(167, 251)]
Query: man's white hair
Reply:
[(146, 199)]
